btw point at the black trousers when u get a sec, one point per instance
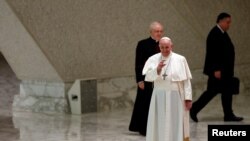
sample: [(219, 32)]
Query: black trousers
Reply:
[(214, 87)]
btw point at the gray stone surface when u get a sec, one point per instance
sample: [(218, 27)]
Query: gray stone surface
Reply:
[(59, 41), (84, 39), (100, 126)]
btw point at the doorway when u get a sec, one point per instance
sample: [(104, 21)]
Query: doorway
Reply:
[(9, 86)]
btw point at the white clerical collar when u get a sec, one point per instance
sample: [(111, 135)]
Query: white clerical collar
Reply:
[(154, 39), (220, 28), (166, 58)]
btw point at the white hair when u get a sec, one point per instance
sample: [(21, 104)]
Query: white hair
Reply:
[(153, 25), (166, 39)]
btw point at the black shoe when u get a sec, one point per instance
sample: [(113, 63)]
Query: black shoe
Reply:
[(233, 118), (193, 115)]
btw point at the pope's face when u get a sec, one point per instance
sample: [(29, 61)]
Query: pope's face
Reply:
[(165, 48)]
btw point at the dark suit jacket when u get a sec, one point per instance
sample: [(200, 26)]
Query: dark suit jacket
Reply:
[(145, 48), (220, 54)]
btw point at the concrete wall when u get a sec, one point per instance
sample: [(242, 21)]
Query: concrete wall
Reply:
[(50, 43), (21, 51), (83, 38)]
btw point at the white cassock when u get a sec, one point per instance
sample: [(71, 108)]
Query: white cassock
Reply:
[(168, 120)]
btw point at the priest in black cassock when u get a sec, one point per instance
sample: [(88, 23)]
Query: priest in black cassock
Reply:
[(145, 48)]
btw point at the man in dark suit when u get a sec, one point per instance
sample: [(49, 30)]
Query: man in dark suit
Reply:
[(219, 67), (145, 48)]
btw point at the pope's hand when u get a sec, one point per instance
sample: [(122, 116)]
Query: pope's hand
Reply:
[(188, 104), (160, 66)]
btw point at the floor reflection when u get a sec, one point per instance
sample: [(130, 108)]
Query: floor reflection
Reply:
[(106, 126), (7, 130)]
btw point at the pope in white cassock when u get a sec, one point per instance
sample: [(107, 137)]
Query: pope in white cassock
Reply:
[(168, 118)]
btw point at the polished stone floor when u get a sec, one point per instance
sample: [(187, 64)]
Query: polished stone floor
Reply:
[(105, 126)]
